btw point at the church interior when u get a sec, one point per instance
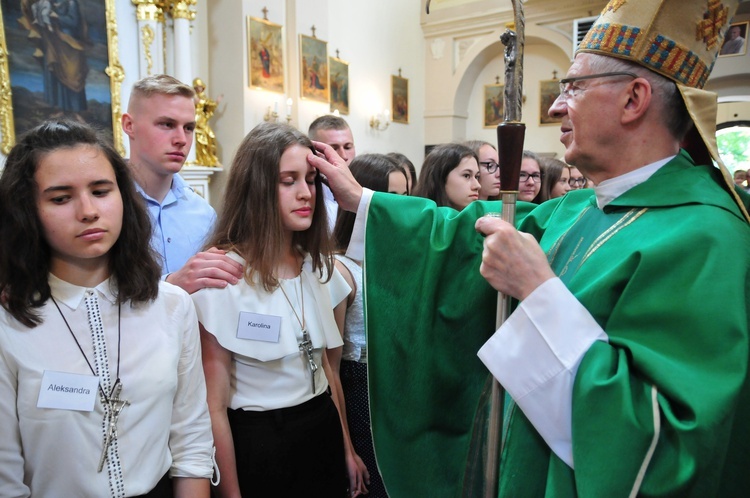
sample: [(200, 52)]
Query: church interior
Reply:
[(403, 79)]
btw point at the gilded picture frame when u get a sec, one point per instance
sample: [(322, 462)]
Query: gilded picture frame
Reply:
[(493, 105), (735, 40), (314, 69), (265, 55), (399, 99), (549, 90), (339, 85), (87, 88)]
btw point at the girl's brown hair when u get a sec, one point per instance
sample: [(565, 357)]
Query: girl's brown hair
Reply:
[(25, 254), (250, 222), (437, 165)]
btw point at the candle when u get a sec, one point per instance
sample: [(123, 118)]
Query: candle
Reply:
[(289, 107)]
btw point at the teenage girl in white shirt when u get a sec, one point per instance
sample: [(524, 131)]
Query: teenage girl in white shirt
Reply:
[(267, 341), (100, 375)]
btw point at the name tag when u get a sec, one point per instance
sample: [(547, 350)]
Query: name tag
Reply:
[(257, 327), (67, 391)]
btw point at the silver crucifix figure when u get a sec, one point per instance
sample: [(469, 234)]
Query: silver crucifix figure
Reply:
[(115, 406), (306, 347)]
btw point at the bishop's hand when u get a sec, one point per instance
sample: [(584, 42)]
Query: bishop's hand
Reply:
[(345, 188), (512, 261)]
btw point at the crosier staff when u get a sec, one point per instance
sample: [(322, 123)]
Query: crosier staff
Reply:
[(510, 135)]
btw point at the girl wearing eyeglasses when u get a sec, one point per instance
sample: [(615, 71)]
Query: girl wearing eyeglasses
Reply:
[(577, 180), (530, 178), (489, 170)]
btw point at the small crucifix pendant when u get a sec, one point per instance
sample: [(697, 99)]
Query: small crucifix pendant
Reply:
[(115, 405), (306, 347)]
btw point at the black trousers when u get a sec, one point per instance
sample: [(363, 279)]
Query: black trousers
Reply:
[(289, 452)]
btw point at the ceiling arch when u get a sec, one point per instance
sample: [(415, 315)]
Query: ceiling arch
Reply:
[(488, 48)]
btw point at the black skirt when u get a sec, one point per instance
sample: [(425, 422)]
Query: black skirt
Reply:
[(354, 384), (296, 451)]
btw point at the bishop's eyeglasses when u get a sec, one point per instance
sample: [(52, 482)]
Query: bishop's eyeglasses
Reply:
[(569, 90)]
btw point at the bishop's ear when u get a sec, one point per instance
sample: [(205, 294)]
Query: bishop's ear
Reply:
[(639, 98)]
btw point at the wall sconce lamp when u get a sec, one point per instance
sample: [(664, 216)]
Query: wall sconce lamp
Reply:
[(380, 122), (273, 116), (289, 103)]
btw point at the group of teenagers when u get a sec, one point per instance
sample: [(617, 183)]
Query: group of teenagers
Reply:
[(456, 174), (274, 321), (133, 363)]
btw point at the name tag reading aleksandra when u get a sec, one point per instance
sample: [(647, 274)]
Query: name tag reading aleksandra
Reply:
[(68, 391), (257, 327)]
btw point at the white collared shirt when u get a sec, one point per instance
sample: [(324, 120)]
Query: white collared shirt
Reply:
[(55, 452), (272, 373)]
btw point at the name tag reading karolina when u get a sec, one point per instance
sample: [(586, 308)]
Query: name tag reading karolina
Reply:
[(257, 327), (68, 391)]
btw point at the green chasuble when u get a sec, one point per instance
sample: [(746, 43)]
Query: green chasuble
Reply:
[(663, 270)]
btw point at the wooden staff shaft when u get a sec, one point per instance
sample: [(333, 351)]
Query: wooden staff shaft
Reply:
[(510, 150)]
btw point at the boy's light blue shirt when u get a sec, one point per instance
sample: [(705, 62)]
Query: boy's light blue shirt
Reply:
[(180, 224)]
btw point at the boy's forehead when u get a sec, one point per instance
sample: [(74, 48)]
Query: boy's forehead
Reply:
[(158, 100), (176, 107)]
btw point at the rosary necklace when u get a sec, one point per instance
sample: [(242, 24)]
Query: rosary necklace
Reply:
[(305, 345), (112, 403)]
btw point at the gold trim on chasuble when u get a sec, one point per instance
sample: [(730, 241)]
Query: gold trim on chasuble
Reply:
[(626, 220)]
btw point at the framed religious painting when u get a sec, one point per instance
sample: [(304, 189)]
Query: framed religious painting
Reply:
[(59, 55), (548, 92), (313, 69), (400, 99), (735, 41), (493, 105), (339, 83), (265, 55)]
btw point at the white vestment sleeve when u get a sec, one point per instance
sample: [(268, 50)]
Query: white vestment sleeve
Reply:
[(535, 356), (356, 249)]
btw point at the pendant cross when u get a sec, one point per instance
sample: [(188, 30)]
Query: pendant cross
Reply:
[(305, 346), (115, 405)]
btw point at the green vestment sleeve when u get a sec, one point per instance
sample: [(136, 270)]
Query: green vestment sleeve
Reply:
[(428, 313)]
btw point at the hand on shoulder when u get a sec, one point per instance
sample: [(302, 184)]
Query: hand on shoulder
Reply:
[(211, 268)]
